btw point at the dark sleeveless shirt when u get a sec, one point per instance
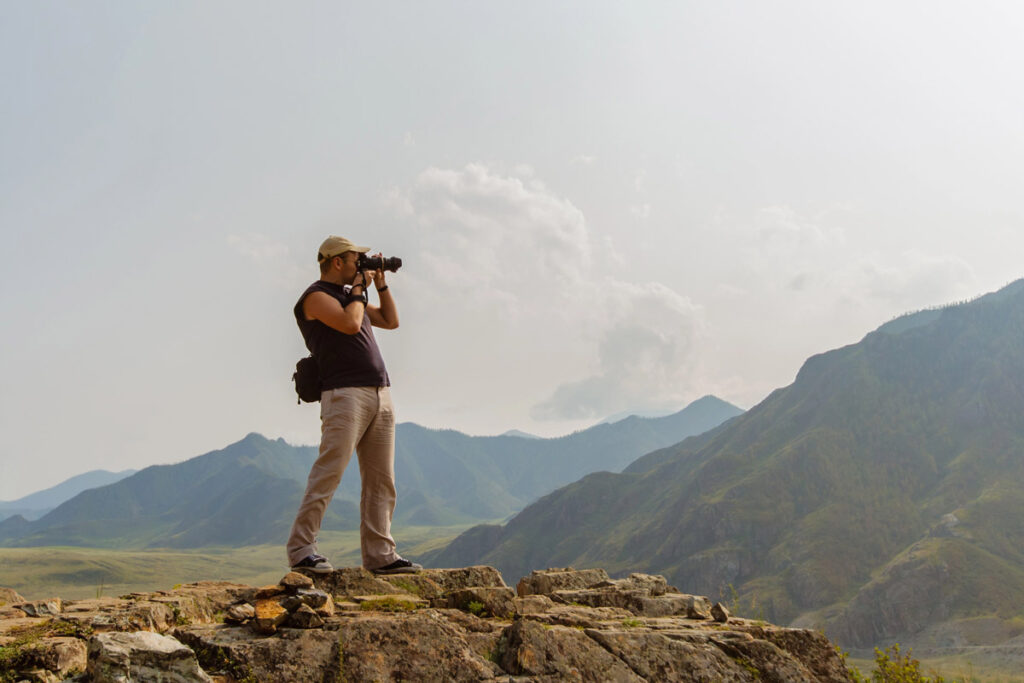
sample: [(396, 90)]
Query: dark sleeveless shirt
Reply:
[(345, 360)]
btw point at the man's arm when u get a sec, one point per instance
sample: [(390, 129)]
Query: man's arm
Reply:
[(328, 310), (385, 315)]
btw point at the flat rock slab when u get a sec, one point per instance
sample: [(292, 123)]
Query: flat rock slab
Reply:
[(296, 580), (61, 656), (9, 596), (395, 602), (414, 647), (533, 649), (480, 576), (546, 581), (657, 657), (42, 608), (142, 656), (290, 655), (579, 616), (353, 581), (484, 602)]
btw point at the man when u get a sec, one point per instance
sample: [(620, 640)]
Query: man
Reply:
[(355, 407)]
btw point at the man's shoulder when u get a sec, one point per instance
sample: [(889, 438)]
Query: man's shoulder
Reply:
[(328, 288)]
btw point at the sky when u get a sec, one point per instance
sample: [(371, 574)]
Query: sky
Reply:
[(600, 206)]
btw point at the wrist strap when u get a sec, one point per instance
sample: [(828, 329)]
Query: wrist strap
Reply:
[(382, 289)]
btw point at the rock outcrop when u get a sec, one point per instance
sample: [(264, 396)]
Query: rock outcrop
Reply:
[(438, 625)]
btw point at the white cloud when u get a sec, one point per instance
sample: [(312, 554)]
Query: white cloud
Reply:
[(508, 255), (785, 250), (646, 352)]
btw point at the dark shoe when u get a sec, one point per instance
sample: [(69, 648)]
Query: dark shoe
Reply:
[(399, 566), (317, 564)]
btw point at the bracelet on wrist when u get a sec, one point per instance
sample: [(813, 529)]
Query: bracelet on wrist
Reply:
[(382, 289)]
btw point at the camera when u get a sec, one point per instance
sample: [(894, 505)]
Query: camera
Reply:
[(391, 263)]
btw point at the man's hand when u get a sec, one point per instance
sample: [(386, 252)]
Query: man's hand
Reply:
[(385, 315), (377, 275)]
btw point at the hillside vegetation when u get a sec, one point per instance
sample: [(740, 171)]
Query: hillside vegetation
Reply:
[(881, 495)]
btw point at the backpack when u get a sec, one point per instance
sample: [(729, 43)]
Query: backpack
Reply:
[(307, 380)]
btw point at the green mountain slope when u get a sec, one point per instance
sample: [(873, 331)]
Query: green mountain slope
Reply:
[(879, 494), (248, 492), (35, 505)]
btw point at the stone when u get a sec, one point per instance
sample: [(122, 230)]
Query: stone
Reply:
[(269, 615), (484, 602), (235, 654), (386, 634), (291, 602), (42, 608), (653, 584), (719, 613), (327, 609), (62, 656), (304, 617), (296, 580), (264, 592), (314, 598), (240, 613), (579, 616), (480, 576), (768, 660), (698, 607), (546, 581), (533, 649), (659, 657), (9, 596), (641, 594), (397, 602), (353, 581), (532, 604), (413, 647), (142, 656)]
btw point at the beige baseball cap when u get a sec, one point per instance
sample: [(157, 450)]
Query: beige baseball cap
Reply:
[(334, 245)]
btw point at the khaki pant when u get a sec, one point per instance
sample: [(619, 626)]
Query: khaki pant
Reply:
[(360, 419)]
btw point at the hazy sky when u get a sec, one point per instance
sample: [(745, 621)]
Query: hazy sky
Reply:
[(601, 206)]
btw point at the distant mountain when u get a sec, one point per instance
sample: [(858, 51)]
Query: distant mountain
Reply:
[(35, 505), (612, 419), (516, 432), (248, 492), (881, 495)]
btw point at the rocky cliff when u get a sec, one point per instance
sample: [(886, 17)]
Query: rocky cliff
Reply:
[(439, 625)]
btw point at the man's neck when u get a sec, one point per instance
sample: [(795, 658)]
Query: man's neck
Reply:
[(333, 279)]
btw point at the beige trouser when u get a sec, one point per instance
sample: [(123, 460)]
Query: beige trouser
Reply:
[(360, 419)]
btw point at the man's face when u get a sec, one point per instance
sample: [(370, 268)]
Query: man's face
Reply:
[(349, 259)]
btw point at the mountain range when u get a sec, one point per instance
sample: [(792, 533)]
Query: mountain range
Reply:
[(879, 496), (247, 493), (35, 505)]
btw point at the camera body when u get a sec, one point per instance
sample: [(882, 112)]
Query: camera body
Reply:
[(391, 263)]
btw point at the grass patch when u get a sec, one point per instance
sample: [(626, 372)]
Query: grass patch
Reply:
[(632, 623), (389, 604), (410, 587), (74, 573)]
